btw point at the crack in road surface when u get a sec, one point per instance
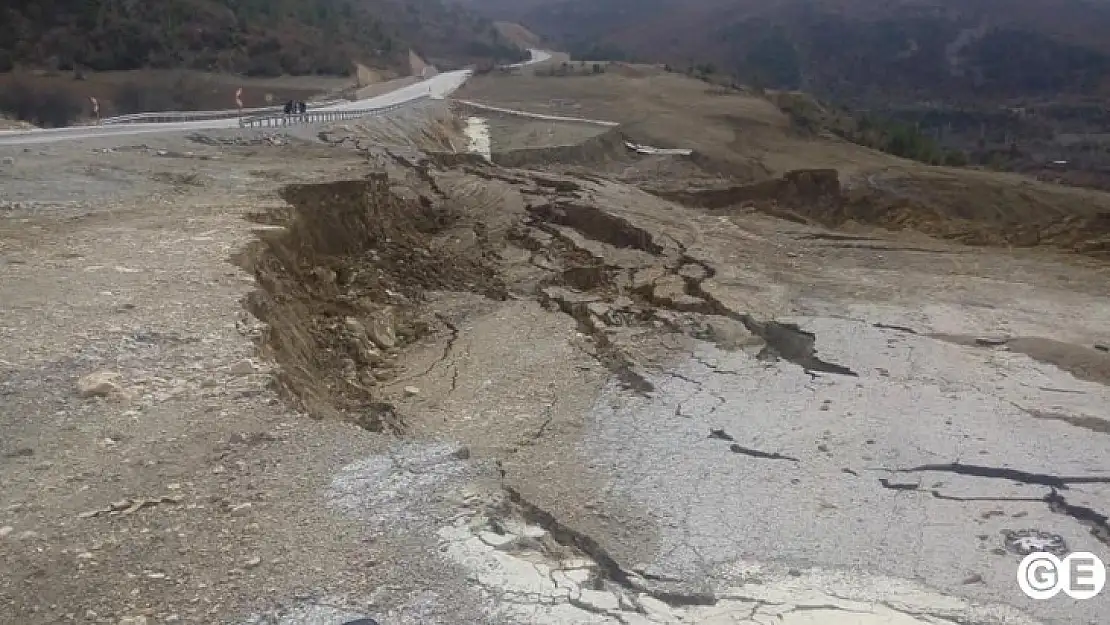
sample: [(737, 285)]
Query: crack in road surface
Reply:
[(1024, 477), (755, 453), (530, 583), (1097, 522)]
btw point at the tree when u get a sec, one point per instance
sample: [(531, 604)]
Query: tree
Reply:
[(47, 107), (776, 59), (955, 158)]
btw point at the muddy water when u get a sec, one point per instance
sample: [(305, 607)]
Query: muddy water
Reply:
[(477, 136)]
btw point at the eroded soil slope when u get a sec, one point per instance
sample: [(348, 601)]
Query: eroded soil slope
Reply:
[(344, 276), (446, 296), (748, 155), (339, 283)]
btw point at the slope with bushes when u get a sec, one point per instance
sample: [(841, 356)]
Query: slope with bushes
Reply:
[(856, 49), (255, 37)]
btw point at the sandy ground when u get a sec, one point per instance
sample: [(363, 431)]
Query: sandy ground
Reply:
[(468, 393)]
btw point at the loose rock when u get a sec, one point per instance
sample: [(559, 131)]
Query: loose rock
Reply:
[(643, 279), (245, 366), (670, 291), (729, 334), (692, 271), (100, 384), (241, 510), (381, 330)]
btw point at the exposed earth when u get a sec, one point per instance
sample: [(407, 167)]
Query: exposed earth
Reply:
[(332, 373)]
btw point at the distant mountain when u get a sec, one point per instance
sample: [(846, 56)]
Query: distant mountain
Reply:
[(853, 50), (259, 37)]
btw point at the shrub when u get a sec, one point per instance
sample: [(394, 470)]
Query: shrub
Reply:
[(51, 108), (131, 97)]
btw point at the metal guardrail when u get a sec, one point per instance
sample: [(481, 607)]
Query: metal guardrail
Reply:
[(311, 117), (156, 117)]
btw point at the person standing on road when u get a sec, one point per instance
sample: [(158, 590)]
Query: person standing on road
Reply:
[(303, 109)]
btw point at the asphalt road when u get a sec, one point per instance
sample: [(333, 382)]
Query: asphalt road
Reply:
[(437, 86)]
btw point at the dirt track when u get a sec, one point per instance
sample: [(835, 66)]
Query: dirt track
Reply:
[(440, 375)]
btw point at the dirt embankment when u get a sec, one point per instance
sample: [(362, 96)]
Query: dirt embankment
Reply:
[(345, 270), (603, 148), (606, 153), (957, 206), (796, 188), (339, 286)]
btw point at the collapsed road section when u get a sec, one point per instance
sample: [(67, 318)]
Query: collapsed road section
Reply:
[(578, 336)]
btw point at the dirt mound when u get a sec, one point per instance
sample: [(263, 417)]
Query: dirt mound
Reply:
[(606, 147), (607, 154), (429, 126), (800, 187), (971, 209), (339, 284), (980, 208)]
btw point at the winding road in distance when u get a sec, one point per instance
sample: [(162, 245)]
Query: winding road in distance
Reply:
[(438, 86)]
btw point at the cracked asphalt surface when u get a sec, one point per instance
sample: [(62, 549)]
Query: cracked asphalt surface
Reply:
[(938, 403), (541, 397), (742, 435)]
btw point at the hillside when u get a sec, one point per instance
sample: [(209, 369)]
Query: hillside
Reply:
[(255, 37), (852, 50)]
